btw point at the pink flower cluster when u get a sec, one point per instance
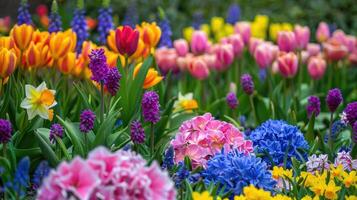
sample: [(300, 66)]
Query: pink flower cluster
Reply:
[(202, 137), (108, 176)]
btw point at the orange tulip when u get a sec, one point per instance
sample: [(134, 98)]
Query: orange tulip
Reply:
[(9, 43), (150, 33), (67, 63), (73, 36), (79, 66), (22, 35), (152, 77), (87, 47), (112, 58), (7, 62), (33, 56), (40, 36), (111, 41), (46, 57), (60, 44), (141, 51)]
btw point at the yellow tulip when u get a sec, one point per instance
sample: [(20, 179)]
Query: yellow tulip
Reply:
[(7, 62), (217, 24), (205, 28), (67, 63), (40, 36), (33, 56), (60, 44), (262, 20), (73, 36), (111, 41), (9, 43), (112, 58), (22, 35), (187, 33), (152, 77), (150, 33)]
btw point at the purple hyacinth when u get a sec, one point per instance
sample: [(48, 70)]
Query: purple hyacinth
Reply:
[(105, 24), (5, 131), (334, 99), (87, 118), (112, 81), (55, 19), (232, 100), (79, 26), (197, 20), (351, 113), (313, 106), (137, 132), (233, 14), (165, 40), (56, 130), (354, 134), (247, 84), (24, 16), (151, 107), (131, 17), (98, 65)]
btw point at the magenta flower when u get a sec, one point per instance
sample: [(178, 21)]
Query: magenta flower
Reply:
[(202, 137)]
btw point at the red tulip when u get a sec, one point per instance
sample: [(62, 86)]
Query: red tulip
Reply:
[(288, 64), (126, 40)]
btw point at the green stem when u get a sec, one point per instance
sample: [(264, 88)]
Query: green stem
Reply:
[(102, 102), (330, 142), (253, 109), (86, 142), (152, 139), (4, 149)]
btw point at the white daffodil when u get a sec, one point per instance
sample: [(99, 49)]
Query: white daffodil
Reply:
[(38, 101), (185, 102)]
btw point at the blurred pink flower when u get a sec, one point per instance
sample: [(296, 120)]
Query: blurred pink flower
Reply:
[(203, 136), (166, 59), (237, 43), (224, 56), (264, 55), (313, 49), (243, 28), (199, 42), (181, 47), (302, 36), (253, 43), (334, 50), (198, 68), (322, 32), (286, 41), (288, 64), (316, 67)]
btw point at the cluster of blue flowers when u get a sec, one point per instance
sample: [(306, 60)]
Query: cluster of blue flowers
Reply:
[(131, 17), (79, 26), (234, 170), (21, 179), (24, 16), (105, 24), (278, 141), (233, 14), (165, 40), (55, 24)]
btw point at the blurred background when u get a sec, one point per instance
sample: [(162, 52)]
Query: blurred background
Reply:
[(181, 13)]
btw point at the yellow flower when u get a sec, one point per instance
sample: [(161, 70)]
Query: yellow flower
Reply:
[(202, 196), (258, 31), (318, 187), (240, 198), (273, 31), (310, 198), (228, 29), (287, 27), (281, 197), (262, 20), (253, 193), (150, 33), (152, 77), (187, 33), (38, 101), (185, 102), (336, 171), (350, 179), (352, 197), (279, 172), (331, 190), (217, 24), (205, 28)]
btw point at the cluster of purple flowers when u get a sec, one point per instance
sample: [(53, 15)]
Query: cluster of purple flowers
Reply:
[(247, 84), (24, 16), (55, 24), (151, 107)]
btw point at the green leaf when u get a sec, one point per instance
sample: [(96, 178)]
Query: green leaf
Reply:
[(83, 95), (63, 147), (42, 135), (105, 129), (73, 134), (310, 136)]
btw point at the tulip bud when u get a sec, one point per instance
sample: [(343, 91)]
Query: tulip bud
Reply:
[(60, 44), (152, 77), (141, 51), (22, 35), (237, 43), (39, 36), (166, 59), (302, 36), (199, 42), (151, 34), (126, 40), (111, 41), (9, 43), (243, 28), (224, 55), (334, 50), (112, 58), (288, 64), (33, 56), (286, 41), (67, 63), (313, 49), (198, 68), (351, 43), (181, 47), (316, 67), (253, 43), (322, 32), (7, 62), (263, 55)]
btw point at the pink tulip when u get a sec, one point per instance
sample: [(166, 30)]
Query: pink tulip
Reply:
[(243, 28), (210, 60), (224, 55), (166, 59), (184, 62), (302, 36), (322, 32), (334, 50), (275, 67), (316, 67), (253, 43), (351, 43), (199, 42), (181, 47), (198, 68), (352, 58), (313, 49), (288, 64), (286, 41), (339, 36), (263, 55), (238, 44)]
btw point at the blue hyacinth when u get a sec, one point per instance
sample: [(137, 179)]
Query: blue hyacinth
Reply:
[(197, 20), (20, 182), (233, 14), (234, 170), (278, 142), (165, 40), (181, 174), (55, 19), (24, 16), (79, 26), (42, 170), (262, 74), (105, 24), (337, 127), (131, 17), (168, 161)]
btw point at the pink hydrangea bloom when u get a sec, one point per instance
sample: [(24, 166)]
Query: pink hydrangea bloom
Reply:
[(105, 175), (203, 136)]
